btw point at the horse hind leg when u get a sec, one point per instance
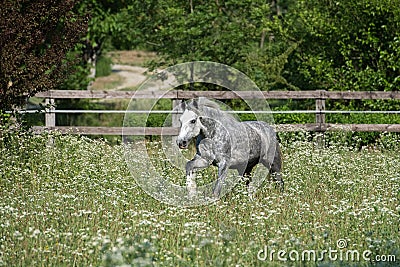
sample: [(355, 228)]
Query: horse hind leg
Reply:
[(275, 168), (246, 174)]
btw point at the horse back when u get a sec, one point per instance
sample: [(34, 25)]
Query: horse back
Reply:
[(261, 137)]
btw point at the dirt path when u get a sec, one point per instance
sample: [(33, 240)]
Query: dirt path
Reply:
[(132, 75)]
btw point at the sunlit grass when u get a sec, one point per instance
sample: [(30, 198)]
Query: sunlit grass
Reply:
[(107, 82), (67, 200)]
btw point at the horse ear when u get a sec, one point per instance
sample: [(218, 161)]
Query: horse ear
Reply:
[(196, 103), (182, 105), (193, 105)]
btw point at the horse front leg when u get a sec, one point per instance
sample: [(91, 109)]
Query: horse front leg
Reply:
[(203, 159), (196, 163), (223, 168)]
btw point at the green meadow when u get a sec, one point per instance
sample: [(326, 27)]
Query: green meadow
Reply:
[(71, 201)]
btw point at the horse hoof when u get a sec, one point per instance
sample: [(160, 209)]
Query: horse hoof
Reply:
[(215, 196)]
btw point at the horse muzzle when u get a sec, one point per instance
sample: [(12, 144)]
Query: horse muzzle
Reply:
[(182, 144)]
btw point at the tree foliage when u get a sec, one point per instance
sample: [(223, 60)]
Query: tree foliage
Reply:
[(35, 40), (313, 44), (233, 32), (280, 44), (346, 45)]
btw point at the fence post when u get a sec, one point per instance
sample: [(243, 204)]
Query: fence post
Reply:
[(176, 108), (175, 112), (50, 116), (320, 117)]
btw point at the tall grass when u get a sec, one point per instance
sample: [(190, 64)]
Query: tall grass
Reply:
[(71, 201)]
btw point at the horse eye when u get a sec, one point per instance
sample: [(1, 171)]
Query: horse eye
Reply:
[(193, 121)]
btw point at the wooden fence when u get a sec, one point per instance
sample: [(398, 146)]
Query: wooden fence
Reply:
[(320, 96)]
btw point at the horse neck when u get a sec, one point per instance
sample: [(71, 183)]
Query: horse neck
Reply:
[(208, 127), (213, 120)]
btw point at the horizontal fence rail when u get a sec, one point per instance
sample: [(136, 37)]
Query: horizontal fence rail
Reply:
[(313, 127), (98, 111), (180, 94), (320, 96)]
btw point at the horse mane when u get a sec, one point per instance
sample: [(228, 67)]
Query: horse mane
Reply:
[(198, 104), (203, 104)]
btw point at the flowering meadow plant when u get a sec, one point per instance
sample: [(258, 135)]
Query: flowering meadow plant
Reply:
[(68, 200)]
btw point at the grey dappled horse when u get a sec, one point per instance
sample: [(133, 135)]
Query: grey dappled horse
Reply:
[(227, 143)]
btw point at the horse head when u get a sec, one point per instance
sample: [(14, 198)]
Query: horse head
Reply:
[(190, 123)]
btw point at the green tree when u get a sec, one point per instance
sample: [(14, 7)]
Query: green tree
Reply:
[(233, 32), (109, 28), (35, 39), (345, 45)]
